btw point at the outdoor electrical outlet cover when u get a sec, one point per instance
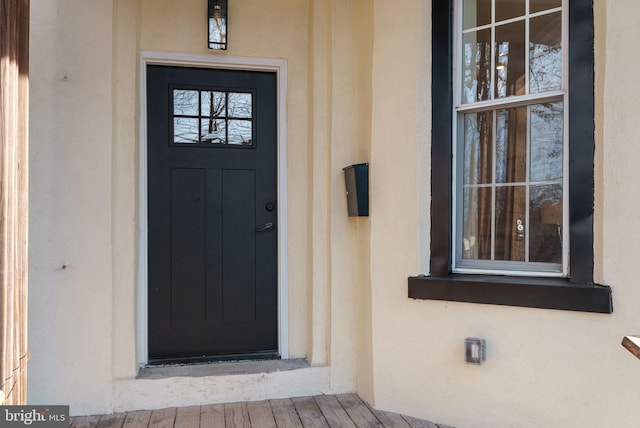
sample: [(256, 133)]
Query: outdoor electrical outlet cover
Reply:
[(475, 350)]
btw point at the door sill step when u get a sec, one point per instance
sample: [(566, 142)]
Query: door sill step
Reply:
[(220, 368), (253, 356)]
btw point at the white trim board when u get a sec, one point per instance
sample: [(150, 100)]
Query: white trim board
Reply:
[(279, 66)]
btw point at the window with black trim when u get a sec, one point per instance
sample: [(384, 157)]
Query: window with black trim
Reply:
[(512, 155)]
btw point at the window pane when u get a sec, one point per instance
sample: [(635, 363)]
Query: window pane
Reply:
[(545, 230), (478, 157), (547, 131), (510, 57), (476, 13), (476, 242), (511, 225), (510, 160), (213, 131), (545, 53), (215, 99), (540, 5), (507, 9), (511, 145), (239, 105), (240, 132), (476, 66), (185, 130), (185, 102)]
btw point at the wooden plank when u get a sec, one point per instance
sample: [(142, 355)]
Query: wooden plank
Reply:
[(419, 423), (285, 414), (187, 417), (112, 421), (343, 411), (390, 419), (358, 411), (138, 419), (21, 229), (333, 412), (309, 412), (163, 418), (632, 343), (260, 414), (84, 421), (14, 129), (212, 416), (236, 415)]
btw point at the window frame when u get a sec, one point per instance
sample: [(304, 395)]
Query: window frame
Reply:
[(494, 104), (575, 292), (199, 116)]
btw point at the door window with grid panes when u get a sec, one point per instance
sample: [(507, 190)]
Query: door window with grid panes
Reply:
[(510, 137)]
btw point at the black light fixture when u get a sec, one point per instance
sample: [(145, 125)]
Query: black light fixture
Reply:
[(218, 24)]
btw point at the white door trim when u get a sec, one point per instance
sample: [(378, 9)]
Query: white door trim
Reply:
[(279, 66)]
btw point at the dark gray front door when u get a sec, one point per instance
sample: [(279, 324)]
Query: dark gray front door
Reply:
[(211, 213)]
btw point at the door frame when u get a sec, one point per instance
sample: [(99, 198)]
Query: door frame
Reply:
[(279, 66)]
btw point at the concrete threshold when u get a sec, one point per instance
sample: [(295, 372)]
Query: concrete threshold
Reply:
[(221, 368)]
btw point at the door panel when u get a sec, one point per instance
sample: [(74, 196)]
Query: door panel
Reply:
[(211, 173), (239, 257), (187, 230)]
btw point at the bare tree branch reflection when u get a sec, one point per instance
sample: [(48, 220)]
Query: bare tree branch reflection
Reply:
[(212, 117)]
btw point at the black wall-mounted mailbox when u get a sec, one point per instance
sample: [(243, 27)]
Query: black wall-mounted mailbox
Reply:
[(357, 181)]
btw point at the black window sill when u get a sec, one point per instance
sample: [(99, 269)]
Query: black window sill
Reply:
[(544, 293)]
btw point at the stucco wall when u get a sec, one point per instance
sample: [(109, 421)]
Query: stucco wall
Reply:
[(85, 196), (70, 269), (358, 90), (544, 367)]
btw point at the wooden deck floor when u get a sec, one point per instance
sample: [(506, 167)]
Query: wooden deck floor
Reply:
[(334, 411)]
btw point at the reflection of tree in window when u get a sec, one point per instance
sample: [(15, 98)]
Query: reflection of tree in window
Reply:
[(214, 103), (212, 117), (512, 166), (185, 122), (477, 66), (545, 53)]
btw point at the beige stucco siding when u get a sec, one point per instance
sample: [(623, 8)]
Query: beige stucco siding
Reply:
[(70, 260), (325, 268), (544, 367), (357, 90)]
